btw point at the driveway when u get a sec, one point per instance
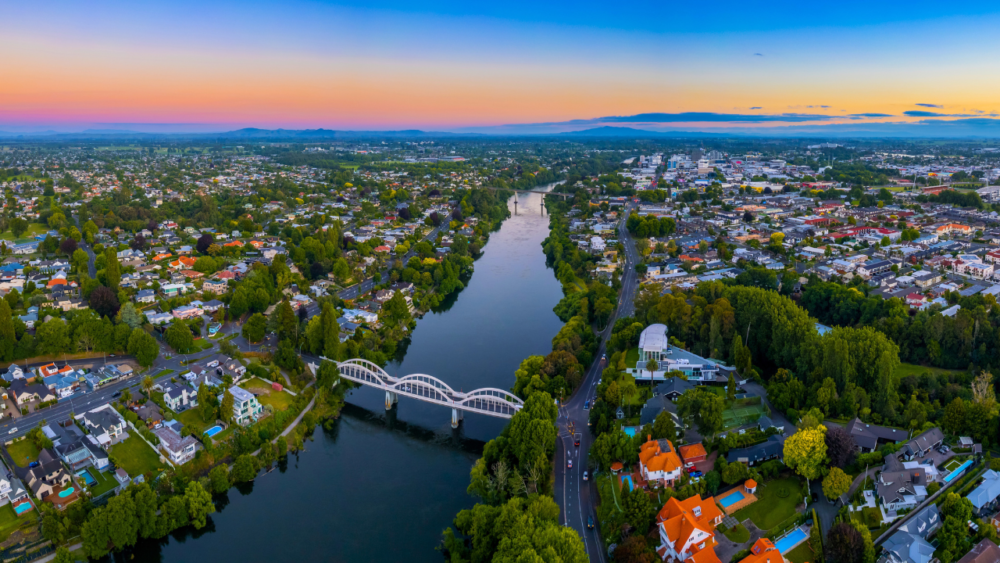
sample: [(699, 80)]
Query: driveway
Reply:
[(776, 416)]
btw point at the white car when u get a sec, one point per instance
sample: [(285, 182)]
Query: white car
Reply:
[(13, 430), (584, 475), (570, 464)]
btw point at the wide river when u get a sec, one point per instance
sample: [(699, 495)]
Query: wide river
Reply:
[(382, 486)]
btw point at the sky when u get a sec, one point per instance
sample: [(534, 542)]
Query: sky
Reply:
[(497, 67)]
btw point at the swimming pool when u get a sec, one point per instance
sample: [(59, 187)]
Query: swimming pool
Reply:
[(789, 542), (22, 508), (88, 479), (628, 478), (958, 471), (66, 493), (212, 431), (629, 431), (731, 499)]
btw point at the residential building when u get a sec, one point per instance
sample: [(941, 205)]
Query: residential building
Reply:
[(246, 408), (867, 436), (984, 497), (899, 490), (178, 449), (687, 529), (983, 552), (763, 551), (105, 424), (180, 397), (909, 543), (659, 462), (772, 448), (921, 445)]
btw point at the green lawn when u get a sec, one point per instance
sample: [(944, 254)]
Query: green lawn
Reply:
[(905, 369), (279, 401), (10, 521), (953, 464), (801, 554), (23, 452), (872, 517), (631, 357), (162, 373), (777, 501), (137, 457), (105, 482), (192, 418), (33, 230), (739, 534)]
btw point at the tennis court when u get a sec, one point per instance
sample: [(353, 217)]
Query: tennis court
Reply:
[(741, 415)]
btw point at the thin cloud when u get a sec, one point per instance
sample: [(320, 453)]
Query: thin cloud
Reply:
[(939, 106), (935, 114), (860, 115), (758, 55), (756, 107)]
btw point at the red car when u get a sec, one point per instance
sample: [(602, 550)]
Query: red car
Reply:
[(692, 469), (578, 442)]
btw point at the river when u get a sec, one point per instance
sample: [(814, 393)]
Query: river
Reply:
[(381, 486)]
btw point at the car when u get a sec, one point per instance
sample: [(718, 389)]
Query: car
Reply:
[(13, 430), (586, 406), (590, 522), (585, 475), (697, 474), (116, 394), (577, 443), (34, 464), (570, 463), (692, 469), (945, 448)]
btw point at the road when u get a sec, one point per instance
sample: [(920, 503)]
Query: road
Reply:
[(577, 497)]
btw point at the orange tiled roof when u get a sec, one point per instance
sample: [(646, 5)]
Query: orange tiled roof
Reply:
[(679, 520), (704, 556), (234, 243), (159, 257), (763, 552), (693, 450), (751, 484), (654, 459)]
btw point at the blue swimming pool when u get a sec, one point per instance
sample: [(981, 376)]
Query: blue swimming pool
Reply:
[(22, 508), (66, 493), (213, 431), (629, 431), (732, 498), (628, 479), (789, 542), (958, 471), (88, 479)]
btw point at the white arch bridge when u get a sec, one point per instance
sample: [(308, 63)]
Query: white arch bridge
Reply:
[(488, 400)]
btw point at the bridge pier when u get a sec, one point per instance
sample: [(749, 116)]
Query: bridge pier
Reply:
[(456, 417), (390, 399)]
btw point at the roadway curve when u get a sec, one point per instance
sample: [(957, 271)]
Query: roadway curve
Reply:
[(576, 497)]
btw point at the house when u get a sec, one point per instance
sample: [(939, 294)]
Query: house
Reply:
[(673, 387), (47, 478), (82, 452), (984, 497), (218, 287), (186, 312), (770, 449), (873, 267), (178, 398), (246, 408), (909, 543), (984, 552), (105, 424), (687, 529), (867, 436), (899, 490), (763, 551), (145, 296), (212, 305), (659, 462), (693, 453), (764, 423), (178, 449), (922, 444), (24, 392)]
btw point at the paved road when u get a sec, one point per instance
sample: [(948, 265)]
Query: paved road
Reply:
[(575, 496)]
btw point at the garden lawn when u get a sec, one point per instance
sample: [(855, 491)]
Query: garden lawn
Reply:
[(279, 401), (738, 534), (905, 369), (105, 482), (192, 419), (953, 464), (137, 457), (801, 554), (162, 373), (771, 509), (23, 452), (632, 357), (33, 229), (10, 521)]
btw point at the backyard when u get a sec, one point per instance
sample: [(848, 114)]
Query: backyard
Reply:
[(137, 457), (10, 521), (738, 533), (34, 229), (105, 481), (954, 463), (279, 400), (778, 499), (801, 554), (192, 419), (23, 452)]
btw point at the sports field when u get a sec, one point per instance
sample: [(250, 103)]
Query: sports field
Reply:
[(741, 415)]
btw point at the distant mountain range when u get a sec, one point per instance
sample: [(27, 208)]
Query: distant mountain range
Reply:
[(654, 126)]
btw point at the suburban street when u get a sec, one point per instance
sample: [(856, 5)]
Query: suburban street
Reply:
[(575, 496)]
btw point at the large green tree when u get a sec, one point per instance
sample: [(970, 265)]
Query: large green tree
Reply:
[(144, 347), (179, 336), (112, 269), (199, 504), (254, 328)]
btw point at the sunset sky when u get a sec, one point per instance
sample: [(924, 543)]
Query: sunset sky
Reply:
[(449, 65)]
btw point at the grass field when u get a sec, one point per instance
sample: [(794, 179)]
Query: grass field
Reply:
[(33, 230), (741, 415), (23, 452), (162, 373), (905, 370), (778, 499), (192, 418), (953, 464), (137, 457), (279, 400), (801, 554), (10, 521), (105, 482), (739, 534), (631, 357)]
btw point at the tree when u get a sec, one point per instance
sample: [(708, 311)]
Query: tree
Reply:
[(286, 322), (179, 337), (219, 477), (104, 302), (836, 483), (844, 544), (144, 347), (331, 328), (204, 242), (113, 525), (51, 337), (199, 504), (145, 509), (206, 402), (130, 316), (68, 246), (731, 388), (639, 510), (112, 270), (80, 260), (245, 469), (147, 384), (63, 556), (982, 390), (227, 406), (18, 226), (663, 427), (652, 366), (954, 421), (8, 338), (805, 452), (840, 446), (254, 328), (704, 408)]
